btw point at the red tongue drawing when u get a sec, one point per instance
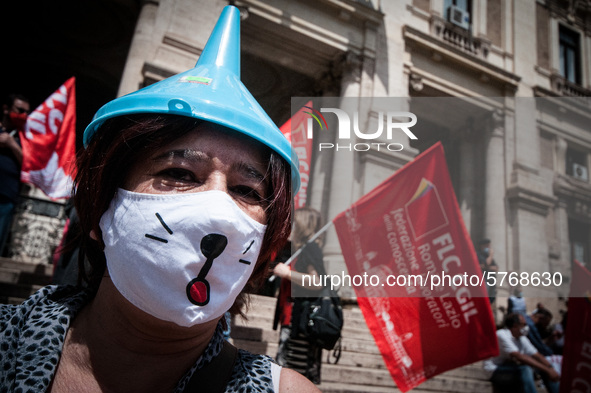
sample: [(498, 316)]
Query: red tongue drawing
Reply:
[(212, 246), (199, 292)]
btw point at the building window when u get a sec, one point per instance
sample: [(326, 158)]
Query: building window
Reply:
[(458, 12), (579, 240), (570, 55), (576, 164)]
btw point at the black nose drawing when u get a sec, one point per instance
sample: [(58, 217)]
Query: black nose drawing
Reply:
[(212, 246)]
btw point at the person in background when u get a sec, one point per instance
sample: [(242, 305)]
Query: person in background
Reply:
[(183, 194), (538, 322), (295, 351), (15, 110), (487, 264), (518, 359), (516, 302), (556, 339)]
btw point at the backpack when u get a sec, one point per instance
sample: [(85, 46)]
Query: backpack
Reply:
[(325, 319)]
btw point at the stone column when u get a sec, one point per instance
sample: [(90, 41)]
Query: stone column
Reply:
[(560, 161), (494, 187), (340, 195), (562, 233), (467, 165), (140, 46)]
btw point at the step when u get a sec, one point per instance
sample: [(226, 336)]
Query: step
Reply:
[(38, 269), (259, 347), (359, 362), (248, 333), (338, 387), (268, 303), (17, 292), (22, 273), (351, 359), (367, 376), (361, 332), (9, 276)]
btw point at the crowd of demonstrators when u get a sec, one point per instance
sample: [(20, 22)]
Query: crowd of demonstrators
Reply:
[(487, 264), (180, 211), (295, 350), (548, 338), (519, 361), (15, 110), (530, 346)]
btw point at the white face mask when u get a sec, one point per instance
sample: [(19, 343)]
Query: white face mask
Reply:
[(524, 330), (182, 258)]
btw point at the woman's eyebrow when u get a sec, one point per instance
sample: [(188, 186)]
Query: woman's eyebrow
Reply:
[(245, 169), (192, 155)]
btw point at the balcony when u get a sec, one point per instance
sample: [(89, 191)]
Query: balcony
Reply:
[(565, 88), (459, 38)]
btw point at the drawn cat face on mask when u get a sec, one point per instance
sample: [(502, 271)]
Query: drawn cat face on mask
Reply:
[(182, 258)]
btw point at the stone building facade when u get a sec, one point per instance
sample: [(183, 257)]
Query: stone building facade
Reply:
[(511, 79)]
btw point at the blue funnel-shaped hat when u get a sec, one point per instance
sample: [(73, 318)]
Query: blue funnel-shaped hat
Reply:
[(212, 91)]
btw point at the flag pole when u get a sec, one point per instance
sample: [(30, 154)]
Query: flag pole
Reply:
[(299, 251)]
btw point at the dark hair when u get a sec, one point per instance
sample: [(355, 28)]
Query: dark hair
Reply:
[(511, 320), (306, 222), (104, 166), (484, 241), (544, 312), (11, 98)]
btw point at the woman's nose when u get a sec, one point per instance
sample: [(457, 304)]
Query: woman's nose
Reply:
[(217, 181)]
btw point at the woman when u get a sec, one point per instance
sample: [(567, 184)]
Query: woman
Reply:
[(293, 344), (182, 196)]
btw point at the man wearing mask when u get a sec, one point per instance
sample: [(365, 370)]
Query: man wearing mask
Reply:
[(487, 264), (538, 324), (14, 116), (518, 359)]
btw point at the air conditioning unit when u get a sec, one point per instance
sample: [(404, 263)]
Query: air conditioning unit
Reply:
[(458, 17), (580, 172)]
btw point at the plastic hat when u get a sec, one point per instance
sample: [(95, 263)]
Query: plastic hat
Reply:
[(212, 91)]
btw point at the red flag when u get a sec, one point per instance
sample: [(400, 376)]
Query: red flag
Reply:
[(295, 131), (576, 355), (49, 143), (411, 225)]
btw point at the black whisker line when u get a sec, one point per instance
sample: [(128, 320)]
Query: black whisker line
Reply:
[(248, 248), (245, 262), (164, 224), (156, 238)]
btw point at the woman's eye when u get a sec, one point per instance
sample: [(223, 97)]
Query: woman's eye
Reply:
[(248, 193), (178, 174)]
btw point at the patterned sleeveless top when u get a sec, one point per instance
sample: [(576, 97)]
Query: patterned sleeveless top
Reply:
[(32, 336)]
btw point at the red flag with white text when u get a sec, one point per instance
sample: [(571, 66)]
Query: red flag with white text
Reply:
[(410, 225), (576, 354), (49, 143), (295, 131)]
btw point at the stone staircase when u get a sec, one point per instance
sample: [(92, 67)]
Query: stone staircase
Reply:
[(19, 280), (361, 368)]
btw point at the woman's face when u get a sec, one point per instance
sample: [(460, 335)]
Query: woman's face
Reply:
[(208, 158)]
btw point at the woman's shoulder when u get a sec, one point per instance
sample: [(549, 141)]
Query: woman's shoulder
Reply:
[(259, 373), (252, 372), (292, 381), (34, 332)]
